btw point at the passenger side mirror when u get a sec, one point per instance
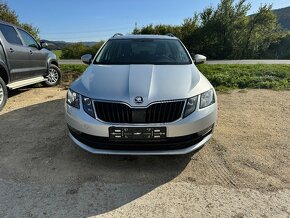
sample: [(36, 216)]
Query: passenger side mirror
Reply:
[(43, 44), (199, 59), (87, 58)]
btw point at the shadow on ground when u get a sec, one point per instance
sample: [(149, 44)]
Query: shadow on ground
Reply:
[(38, 158)]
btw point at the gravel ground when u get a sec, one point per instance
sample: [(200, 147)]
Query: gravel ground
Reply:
[(244, 171)]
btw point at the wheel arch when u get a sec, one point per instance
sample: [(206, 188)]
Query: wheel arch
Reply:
[(53, 61), (4, 72)]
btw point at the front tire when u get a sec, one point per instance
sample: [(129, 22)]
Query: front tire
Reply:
[(53, 77), (3, 94)]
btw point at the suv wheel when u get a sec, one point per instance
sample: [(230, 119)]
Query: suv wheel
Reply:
[(53, 77), (3, 94)]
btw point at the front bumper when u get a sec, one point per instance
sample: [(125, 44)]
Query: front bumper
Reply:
[(183, 135)]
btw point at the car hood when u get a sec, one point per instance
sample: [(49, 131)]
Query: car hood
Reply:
[(126, 82)]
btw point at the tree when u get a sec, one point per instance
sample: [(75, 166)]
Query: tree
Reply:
[(76, 50), (8, 15), (158, 30), (223, 29), (226, 32), (262, 31)]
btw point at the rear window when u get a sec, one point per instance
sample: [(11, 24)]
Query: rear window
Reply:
[(10, 34), (143, 51)]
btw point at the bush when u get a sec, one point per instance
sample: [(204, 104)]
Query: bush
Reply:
[(76, 50)]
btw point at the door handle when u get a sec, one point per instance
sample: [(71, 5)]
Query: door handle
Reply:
[(31, 52), (11, 50)]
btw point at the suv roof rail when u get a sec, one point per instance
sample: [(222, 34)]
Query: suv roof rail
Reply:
[(117, 34), (170, 34)]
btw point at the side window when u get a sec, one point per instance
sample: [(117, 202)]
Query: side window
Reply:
[(10, 34), (28, 40)]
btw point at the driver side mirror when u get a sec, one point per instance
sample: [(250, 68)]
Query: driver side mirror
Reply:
[(199, 59), (43, 44), (87, 58)]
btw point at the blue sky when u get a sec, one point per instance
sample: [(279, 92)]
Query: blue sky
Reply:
[(92, 20)]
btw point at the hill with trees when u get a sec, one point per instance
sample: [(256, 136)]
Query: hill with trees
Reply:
[(226, 32), (283, 17)]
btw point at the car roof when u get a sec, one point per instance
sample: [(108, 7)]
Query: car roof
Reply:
[(11, 24), (6, 23), (143, 37)]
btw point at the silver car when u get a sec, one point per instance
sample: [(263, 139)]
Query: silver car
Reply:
[(141, 95)]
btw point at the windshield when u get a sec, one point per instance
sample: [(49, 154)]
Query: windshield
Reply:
[(143, 51)]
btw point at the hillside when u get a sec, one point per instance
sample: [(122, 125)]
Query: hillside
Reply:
[(283, 16), (59, 45)]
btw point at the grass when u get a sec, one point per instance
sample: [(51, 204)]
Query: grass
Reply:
[(257, 76), (223, 76), (70, 72)]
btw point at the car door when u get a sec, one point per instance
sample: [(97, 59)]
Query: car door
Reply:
[(16, 54), (37, 55)]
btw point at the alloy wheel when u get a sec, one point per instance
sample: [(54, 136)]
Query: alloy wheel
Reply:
[(52, 76), (1, 94)]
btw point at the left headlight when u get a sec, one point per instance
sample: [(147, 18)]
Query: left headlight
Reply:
[(206, 99), (73, 99)]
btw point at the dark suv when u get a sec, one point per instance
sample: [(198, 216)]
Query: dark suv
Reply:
[(24, 61)]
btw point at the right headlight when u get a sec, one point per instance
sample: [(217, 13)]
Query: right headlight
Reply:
[(88, 106), (207, 98), (73, 99)]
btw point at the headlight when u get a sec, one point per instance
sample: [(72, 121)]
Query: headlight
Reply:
[(73, 99), (88, 106), (207, 98), (190, 106)]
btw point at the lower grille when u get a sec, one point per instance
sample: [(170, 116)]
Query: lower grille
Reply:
[(164, 112), (145, 145)]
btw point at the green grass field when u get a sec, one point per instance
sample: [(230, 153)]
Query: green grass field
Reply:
[(223, 76)]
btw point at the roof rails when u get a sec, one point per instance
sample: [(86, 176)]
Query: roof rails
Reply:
[(170, 34), (117, 34)]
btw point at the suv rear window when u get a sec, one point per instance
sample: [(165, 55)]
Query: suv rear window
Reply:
[(10, 34), (143, 51)]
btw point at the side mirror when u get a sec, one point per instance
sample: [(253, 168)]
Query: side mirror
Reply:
[(87, 58), (199, 59), (43, 44)]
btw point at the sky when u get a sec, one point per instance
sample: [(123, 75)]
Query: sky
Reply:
[(94, 20)]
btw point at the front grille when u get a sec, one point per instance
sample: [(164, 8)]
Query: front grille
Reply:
[(164, 112)]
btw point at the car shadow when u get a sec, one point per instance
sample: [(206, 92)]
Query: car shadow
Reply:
[(15, 92), (36, 150)]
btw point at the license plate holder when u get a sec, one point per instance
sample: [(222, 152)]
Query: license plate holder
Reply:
[(136, 133)]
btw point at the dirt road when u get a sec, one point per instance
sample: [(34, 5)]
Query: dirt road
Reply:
[(244, 171)]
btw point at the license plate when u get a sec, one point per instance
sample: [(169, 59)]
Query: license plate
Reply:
[(137, 133)]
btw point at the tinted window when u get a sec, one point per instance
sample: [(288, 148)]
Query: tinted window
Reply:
[(28, 40), (10, 34), (143, 51)]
